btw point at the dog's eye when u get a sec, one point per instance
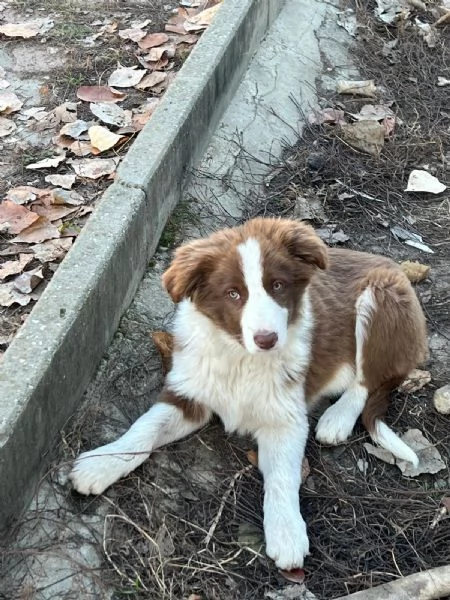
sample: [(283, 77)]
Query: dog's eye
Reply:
[(234, 295), (277, 286)]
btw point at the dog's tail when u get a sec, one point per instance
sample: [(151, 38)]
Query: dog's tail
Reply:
[(373, 413)]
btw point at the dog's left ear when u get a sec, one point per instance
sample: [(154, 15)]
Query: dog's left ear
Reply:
[(188, 269), (303, 243)]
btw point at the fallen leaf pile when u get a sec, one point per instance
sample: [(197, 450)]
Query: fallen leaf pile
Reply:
[(87, 132)]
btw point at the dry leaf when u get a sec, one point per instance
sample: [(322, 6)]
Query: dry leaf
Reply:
[(40, 231), (59, 196), (6, 298), (47, 163), (52, 250), (74, 129), (373, 112), (66, 112), (28, 29), (329, 234), (327, 115), (367, 136), (94, 168), (126, 77), (109, 113), (151, 80), (64, 181), (357, 88), (9, 102), (422, 181), (202, 19), (152, 40), (23, 194), (81, 148), (442, 82), (6, 127), (415, 271), (13, 267), (53, 212), (14, 218), (26, 282), (415, 381), (102, 138), (99, 93), (143, 113), (133, 33)]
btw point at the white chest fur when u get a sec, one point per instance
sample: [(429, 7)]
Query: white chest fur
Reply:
[(247, 391)]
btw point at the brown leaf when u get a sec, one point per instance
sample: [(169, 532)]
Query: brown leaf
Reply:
[(164, 344), (152, 40), (13, 267), (202, 19), (151, 80), (81, 148), (144, 113), (415, 271), (54, 212), (42, 229), (74, 129), (14, 218), (174, 28), (367, 136), (99, 93)]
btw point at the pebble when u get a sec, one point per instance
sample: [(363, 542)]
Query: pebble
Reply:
[(441, 400)]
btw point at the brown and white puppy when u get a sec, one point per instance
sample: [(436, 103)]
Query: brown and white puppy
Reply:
[(269, 320)]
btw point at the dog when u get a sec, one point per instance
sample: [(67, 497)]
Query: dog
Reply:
[(269, 320)]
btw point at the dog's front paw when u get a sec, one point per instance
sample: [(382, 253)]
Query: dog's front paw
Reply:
[(334, 426), (286, 541), (96, 470)]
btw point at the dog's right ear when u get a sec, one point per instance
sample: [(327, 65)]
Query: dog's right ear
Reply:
[(188, 269)]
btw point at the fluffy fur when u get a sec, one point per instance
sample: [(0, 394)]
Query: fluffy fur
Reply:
[(269, 320)]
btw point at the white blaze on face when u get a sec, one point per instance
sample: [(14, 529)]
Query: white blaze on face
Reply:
[(261, 314)]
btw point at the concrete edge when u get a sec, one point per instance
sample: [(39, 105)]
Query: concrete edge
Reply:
[(49, 364)]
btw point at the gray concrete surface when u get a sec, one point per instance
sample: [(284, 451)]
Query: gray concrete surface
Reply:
[(292, 60), (50, 362)]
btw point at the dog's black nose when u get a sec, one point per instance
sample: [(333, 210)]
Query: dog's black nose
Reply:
[(265, 339)]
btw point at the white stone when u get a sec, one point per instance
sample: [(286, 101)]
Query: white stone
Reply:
[(441, 400)]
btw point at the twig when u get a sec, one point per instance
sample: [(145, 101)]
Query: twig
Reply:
[(427, 585), (228, 491)]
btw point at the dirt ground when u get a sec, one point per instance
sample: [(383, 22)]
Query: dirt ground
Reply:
[(188, 523)]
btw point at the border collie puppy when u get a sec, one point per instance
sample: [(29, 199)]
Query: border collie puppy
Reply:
[(269, 320)]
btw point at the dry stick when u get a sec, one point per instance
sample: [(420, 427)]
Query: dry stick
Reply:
[(427, 585), (214, 524), (445, 17)]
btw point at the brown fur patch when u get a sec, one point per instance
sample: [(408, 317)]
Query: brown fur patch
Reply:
[(192, 411)]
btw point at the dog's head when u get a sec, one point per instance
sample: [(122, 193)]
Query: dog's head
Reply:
[(249, 280)]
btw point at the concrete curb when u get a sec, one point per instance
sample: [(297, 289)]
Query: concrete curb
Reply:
[(46, 369)]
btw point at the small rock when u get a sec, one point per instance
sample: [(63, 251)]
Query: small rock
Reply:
[(441, 400), (316, 161)]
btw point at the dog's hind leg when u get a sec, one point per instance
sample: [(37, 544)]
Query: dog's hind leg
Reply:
[(337, 422), (167, 421)]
